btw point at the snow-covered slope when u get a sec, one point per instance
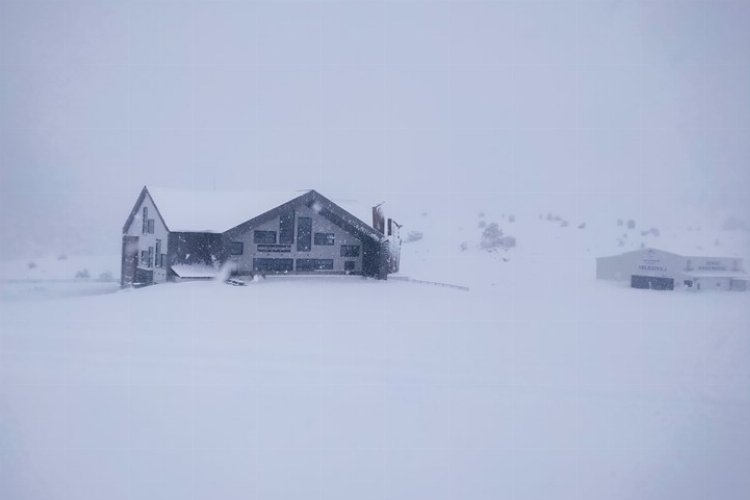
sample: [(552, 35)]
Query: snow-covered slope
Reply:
[(539, 382)]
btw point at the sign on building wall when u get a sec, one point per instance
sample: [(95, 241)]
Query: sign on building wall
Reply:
[(652, 263)]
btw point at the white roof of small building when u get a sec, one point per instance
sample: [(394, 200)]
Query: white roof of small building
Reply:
[(717, 274), (195, 271), (688, 255)]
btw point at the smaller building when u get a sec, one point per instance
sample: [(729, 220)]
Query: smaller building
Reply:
[(660, 270)]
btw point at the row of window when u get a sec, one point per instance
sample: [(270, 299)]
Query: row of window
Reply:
[(151, 258), (302, 265), (238, 247), (148, 224), (286, 233)]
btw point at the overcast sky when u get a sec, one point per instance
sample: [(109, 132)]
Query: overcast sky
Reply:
[(645, 101)]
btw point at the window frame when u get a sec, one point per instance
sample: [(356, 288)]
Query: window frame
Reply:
[(157, 253), (350, 251), (233, 245), (304, 234), (286, 228), (284, 265), (259, 233), (314, 265), (328, 239)]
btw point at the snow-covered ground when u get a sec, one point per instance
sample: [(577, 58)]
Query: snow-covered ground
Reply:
[(539, 382)]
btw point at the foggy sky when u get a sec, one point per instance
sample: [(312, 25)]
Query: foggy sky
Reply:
[(642, 101)]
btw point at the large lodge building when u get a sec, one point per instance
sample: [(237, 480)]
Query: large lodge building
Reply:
[(173, 235)]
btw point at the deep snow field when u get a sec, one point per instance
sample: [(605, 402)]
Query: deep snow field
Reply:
[(538, 383)]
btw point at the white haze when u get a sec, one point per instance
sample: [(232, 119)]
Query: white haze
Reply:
[(529, 380), (642, 105)]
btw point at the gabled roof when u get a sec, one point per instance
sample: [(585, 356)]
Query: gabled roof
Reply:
[(325, 207), (134, 211), (654, 251), (195, 271), (647, 251), (220, 211)]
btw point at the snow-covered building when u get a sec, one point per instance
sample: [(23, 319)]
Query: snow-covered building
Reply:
[(173, 235), (660, 270)]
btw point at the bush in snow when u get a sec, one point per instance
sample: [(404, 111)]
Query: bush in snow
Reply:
[(83, 274), (482, 224), (413, 236), (31, 265), (493, 238), (582, 225), (511, 218), (631, 224), (62, 256), (508, 242), (106, 276), (732, 223), (464, 246), (653, 231)]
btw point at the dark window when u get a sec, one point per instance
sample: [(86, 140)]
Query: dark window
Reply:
[(324, 239), (273, 265), (162, 259), (158, 254), (151, 226), (236, 248), (350, 250), (264, 237), (304, 234), (349, 265), (651, 282), (286, 228), (150, 256), (144, 226), (314, 264), (144, 258)]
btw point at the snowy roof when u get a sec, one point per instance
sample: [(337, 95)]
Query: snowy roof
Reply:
[(219, 211), (214, 211), (360, 210), (717, 274), (194, 271), (700, 254)]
